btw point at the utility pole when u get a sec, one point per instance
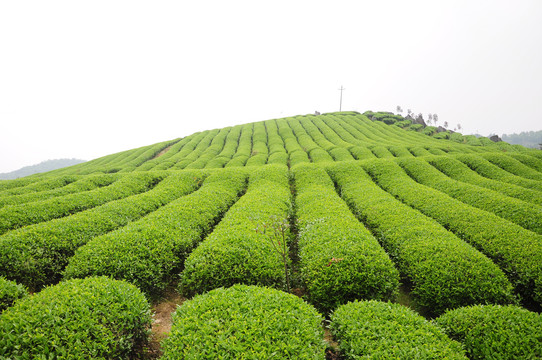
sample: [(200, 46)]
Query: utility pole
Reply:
[(341, 103)]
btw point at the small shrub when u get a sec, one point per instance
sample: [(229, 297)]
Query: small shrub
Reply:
[(245, 322), (9, 292), (94, 318), (379, 330), (495, 332)]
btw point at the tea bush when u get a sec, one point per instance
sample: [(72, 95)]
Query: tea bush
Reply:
[(443, 271), (245, 322), (459, 171), (85, 183), (36, 255), (234, 252), (148, 252), (10, 291), (492, 171), (16, 216), (379, 330), (526, 215), (518, 252), (94, 318), (513, 166), (339, 259), (495, 332)]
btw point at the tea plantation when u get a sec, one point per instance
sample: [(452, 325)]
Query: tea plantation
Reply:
[(394, 240)]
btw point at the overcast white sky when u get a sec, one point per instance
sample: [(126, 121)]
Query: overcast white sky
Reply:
[(83, 79)]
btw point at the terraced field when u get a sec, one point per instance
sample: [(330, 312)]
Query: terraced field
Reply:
[(374, 229)]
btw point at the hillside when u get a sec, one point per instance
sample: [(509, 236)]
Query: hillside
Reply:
[(43, 166), (344, 212)]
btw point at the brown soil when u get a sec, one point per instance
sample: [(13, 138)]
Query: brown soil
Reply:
[(162, 152), (162, 322), (332, 351)]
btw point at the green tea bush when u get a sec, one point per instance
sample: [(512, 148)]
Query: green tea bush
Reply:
[(230, 146), (442, 135), (379, 330), (148, 252), (166, 156), (194, 155), (16, 216), (297, 157), (518, 252), (419, 151), (436, 151), (403, 123), (400, 151), (40, 185), (94, 318), (524, 214), (416, 127), (459, 171), (245, 322), (214, 148), (234, 252), (528, 159), (10, 291), (190, 143), (36, 255), (339, 259), (513, 166), (85, 183), (343, 137), (361, 153), (381, 151), (429, 130), (340, 154), (443, 271), (319, 155), (495, 332), (491, 171)]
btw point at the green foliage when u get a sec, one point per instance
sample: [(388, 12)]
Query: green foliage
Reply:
[(429, 130), (10, 291), (381, 151), (522, 213), (513, 166), (495, 332), (491, 171), (16, 216), (442, 135), (403, 123), (416, 127), (378, 330), (518, 252), (85, 183), (94, 318), (148, 252), (36, 255), (443, 271), (457, 170), (245, 322), (234, 252), (340, 259)]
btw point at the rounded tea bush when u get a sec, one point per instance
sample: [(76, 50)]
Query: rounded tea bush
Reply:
[(9, 292), (245, 322), (495, 332), (92, 318), (379, 330)]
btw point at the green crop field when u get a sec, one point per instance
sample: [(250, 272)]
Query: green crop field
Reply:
[(342, 235)]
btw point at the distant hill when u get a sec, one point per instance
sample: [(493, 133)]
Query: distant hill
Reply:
[(530, 139), (44, 166)]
